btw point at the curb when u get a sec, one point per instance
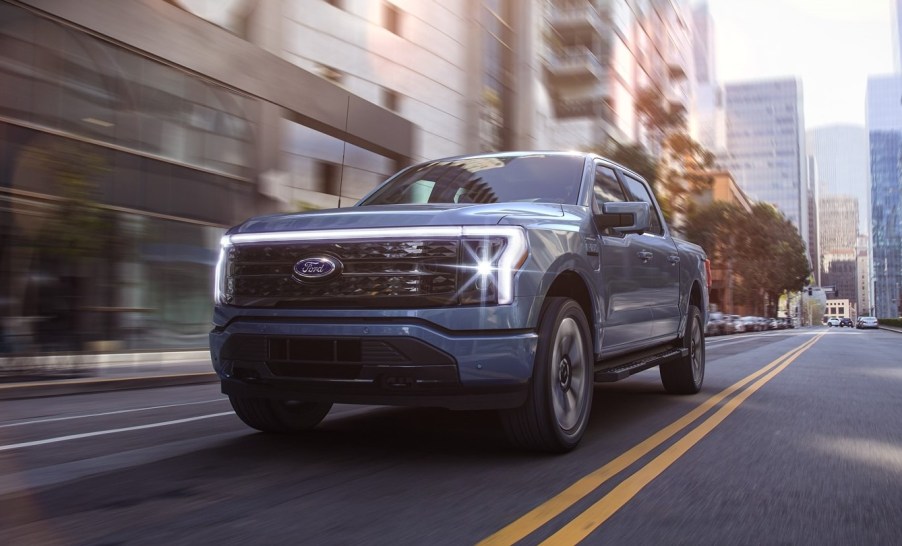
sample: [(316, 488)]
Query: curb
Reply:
[(61, 387)]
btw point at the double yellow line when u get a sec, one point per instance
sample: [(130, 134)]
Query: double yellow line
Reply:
[(585, 523)]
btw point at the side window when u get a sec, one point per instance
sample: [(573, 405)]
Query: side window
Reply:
[(639, 192), (607, 188)]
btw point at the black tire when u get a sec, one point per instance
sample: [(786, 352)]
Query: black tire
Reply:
[(279, 416), (556, 412), (686, 375)]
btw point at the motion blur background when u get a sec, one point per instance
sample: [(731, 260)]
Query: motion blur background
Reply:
[(133, 133)]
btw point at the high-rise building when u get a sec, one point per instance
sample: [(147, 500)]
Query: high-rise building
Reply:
[(840, 156), (707, 121), (896, 26), (838, 244), (814, 251), (765, 145), (154, 127), (599, 55), (864, 275), (884, 124)]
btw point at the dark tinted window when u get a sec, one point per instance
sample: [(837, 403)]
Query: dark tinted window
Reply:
[(537, 178), (639, 192), (607, 188)]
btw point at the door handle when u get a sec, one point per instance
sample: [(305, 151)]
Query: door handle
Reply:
[(673, 259), (644, 255)]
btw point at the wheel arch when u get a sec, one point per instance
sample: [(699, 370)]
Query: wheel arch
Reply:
[(570, 284), (696, 298)]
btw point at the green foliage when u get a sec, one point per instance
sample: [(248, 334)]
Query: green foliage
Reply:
[(633, 156), (765, 251), (890, 322)]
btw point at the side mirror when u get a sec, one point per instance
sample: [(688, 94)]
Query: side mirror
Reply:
[(624, 217)]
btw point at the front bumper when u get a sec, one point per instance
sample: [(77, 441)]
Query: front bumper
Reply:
[(389, 362)]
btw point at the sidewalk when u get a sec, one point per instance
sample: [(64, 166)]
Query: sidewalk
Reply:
[(57, 376)]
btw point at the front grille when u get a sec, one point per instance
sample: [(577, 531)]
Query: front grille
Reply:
[(373, 273)]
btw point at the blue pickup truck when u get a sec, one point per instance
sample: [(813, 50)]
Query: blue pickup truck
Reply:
[(510, 281)]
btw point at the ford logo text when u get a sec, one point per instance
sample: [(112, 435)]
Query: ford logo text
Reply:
[(317, 268)]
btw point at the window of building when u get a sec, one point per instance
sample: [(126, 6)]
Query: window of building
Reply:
[(328, 176), (330, 73), (391, 18), (391, 99)]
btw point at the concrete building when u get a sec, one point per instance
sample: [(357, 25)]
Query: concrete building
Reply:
[(839, 308), (864, 275), (765, 145), (884, 125), (152, 126), (707, 125), (598, 56)]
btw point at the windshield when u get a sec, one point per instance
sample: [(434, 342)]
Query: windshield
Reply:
[(538, 178)]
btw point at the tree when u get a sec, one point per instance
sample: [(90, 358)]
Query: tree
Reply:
[(762, 253), (772, 257), (683, 164), (635, 157)]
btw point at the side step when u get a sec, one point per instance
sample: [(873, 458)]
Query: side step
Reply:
[(625, 370)]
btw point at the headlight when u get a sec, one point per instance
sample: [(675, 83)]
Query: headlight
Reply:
[(221, 290), (489, 258)]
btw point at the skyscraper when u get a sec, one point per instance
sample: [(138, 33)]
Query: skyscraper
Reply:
[(706, 125), (765, 145), (896, 25), (884, 124), (840, 157)]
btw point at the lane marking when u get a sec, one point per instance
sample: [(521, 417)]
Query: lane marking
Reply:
[(111, 431), (584, 524), (542, 514), (117, 412)]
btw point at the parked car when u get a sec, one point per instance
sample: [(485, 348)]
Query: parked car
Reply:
[(867, 322), (729, 324), (715, 324), (833, 321), (846, 321), (750, 324)]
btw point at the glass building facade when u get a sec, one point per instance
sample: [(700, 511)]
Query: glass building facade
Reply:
[(765, 145), (120, 170), (884, 116)]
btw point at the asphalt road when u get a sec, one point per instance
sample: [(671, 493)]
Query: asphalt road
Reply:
[(796, 438)]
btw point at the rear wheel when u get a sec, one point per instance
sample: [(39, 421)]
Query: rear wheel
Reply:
[(685, 376), (279, 415), (556, 411)]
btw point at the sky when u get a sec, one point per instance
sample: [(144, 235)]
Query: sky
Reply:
[(832, 45)]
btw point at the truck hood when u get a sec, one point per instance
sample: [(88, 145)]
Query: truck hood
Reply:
[(385, 216)]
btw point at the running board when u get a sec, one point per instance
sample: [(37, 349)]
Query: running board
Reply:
[(622, 372)]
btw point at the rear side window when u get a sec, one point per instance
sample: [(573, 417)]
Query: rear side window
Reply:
[(639, 192)]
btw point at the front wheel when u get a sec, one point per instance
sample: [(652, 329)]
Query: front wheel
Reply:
[(557, 407), (279, 416), (685, 376)]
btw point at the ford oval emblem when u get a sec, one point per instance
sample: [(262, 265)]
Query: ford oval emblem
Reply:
[(318, 268)]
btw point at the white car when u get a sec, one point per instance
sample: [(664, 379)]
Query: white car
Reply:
[(833, 322)]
